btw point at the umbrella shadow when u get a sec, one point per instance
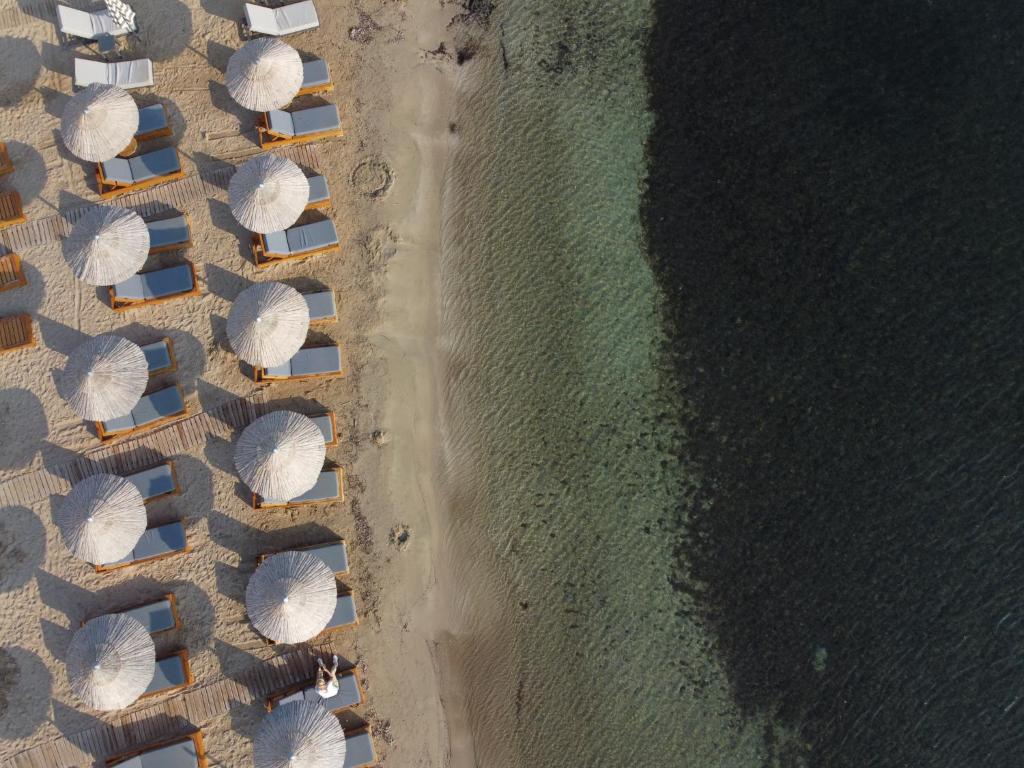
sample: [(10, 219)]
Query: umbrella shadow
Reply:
[(219, 454), (243, 539), (53, 101), (29, 297), (25, 686), (164, 34), (211, 169), (222, 100), (217, 55), (22, 546), (60, 337), (55, 638), (226, 9), (198, 617), (231, 581), (70, 721), (21, 63), (57, 59), (225, 283), (23, 428), (30, 170)]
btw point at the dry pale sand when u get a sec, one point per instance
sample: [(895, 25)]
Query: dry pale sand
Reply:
[(394, 96)]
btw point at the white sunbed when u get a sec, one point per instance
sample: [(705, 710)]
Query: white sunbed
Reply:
[(124, 74), (285, 20), (88, 26)]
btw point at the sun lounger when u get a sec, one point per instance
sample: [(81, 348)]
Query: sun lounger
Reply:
[(160, 357), (333, 553), (6, 166), (122, 176), (171, 673), (329, 487), (123, 74), (88, 26), (176, 752), (154, 123), (299, 242), (171, 234), (328, 426), (277, 127), (319, 193), (316, 78), (153, 410), (359, 750), (155, 287), (11, 275), (297, 17), (322, 308), (345, 615), (155, 544), (16, 333), (157, 616), (155, 482), (350, 693), (307, 363), (10, 209)]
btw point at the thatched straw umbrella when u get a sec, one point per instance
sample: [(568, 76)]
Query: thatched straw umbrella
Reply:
[(280, 455), (264, 74), (99, 122), (268, 193), (267, 323), (111, 661), (102, 518), (299, 733), (107, 245), (104, 377), (291, 597)]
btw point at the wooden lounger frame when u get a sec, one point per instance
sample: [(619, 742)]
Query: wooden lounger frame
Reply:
[(311, 90), (107, 436), (182, 653), (169, 597), (6, 166), (10, 209), (16, 333), (170, 353), (259, 374), (196, 737), (174, 246), (304, 548), (110, 189), (269, 139), (271, 701), (11, 274), (257, 503), (320, 205), (159, 133), (123, 305), (263, 258), (164, 556)]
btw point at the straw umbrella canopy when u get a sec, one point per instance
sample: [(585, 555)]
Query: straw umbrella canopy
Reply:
[(268, 193), (280, 455), (104, 377), (264, 74), (122, 14), (102, 518), (107, 245), (299, 733), (111, 661), (291, 597), (98, 122), (267, 323)]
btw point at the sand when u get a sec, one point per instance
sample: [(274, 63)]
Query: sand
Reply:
[(386, 177)]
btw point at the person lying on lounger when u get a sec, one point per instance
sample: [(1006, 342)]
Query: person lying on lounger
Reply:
[(329, 687)]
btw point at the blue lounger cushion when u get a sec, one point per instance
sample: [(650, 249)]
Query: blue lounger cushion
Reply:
[(316, 120), (153, 482), (162, 540), (167, 232), (327, 487), (280, 122), (358, 750), (344, 612), (326, 426), (157, 284), (158, 356), (348, 694), (321, 305), (308, 237), (316, 360), (162, 162), (318, 189), (168, 672), (315, 73), (118, 169), (155, 617), (335, 555), (151, 118), (181, 754)]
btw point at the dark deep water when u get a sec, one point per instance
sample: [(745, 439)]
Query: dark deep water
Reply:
[(836, 210)]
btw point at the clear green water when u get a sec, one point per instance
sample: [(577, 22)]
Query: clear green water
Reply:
[(560, 442)]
